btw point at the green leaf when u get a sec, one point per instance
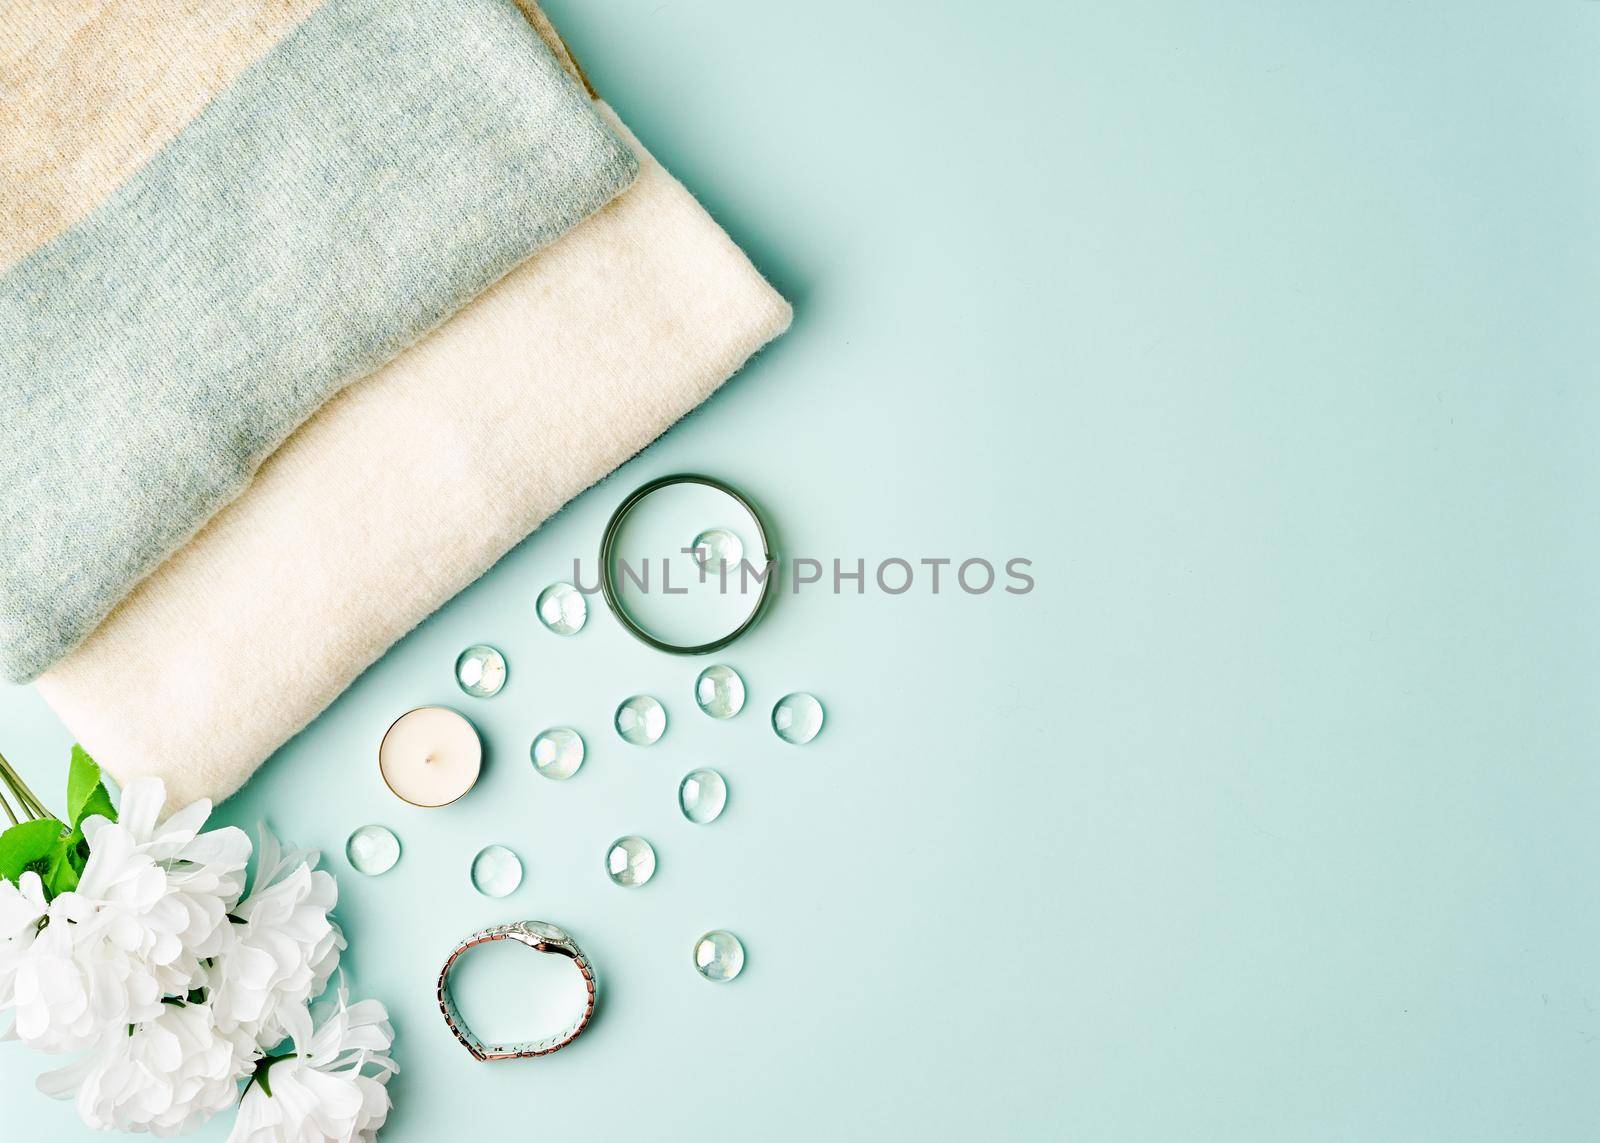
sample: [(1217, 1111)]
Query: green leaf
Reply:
[(99, 803), (86, 789), (23, 845), (61, 876), (82, 777)]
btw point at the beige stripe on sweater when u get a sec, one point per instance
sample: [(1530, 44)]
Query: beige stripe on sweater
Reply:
[(374, 513), (90, 91)]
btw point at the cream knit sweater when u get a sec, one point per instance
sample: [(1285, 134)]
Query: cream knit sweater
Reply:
[(376, 511)]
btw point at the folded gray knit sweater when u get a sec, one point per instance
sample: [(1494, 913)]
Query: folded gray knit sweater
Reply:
[(171, 316)]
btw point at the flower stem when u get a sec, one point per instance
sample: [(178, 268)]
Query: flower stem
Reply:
[(259, 1075), (26, 798), (6, 806)]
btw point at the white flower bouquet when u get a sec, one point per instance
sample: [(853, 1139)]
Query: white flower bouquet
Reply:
[(134, 941)]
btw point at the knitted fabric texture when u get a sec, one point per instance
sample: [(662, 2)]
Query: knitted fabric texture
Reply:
[(333, 201), (90, 92), (374, 514)]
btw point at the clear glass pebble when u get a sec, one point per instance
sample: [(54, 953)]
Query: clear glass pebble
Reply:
[(797, 718), (372, 849), (562, 608), (641, 720), (720, 691), (703, 795), (716, 547), (481, 671), (719, 955), (496, 871), (631, 861), (557, 753)]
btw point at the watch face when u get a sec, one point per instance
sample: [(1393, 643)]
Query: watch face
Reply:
[(545, 931)]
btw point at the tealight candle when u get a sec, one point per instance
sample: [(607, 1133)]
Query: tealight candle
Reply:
[(430, 756)]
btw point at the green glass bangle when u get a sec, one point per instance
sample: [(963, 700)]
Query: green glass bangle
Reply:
[(608, 584)]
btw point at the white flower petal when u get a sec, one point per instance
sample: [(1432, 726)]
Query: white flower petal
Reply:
[(149, 909), (285, 948), (167, 1076), (331, 1089), (142, 800)]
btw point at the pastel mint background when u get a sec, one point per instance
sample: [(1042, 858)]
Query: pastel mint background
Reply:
[(1268, 332)]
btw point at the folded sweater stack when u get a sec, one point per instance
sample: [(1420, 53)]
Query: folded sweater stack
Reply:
[(260, 513)]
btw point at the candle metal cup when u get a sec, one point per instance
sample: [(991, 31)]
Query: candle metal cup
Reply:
[(392, 766)]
